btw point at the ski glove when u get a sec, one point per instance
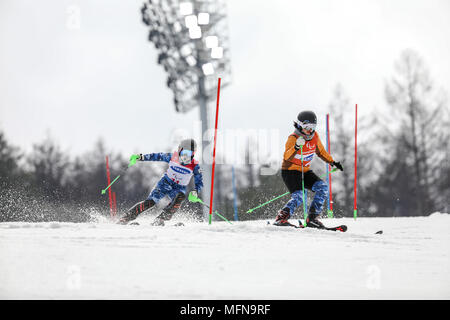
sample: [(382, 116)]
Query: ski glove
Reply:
[(299, 143), (194, 193), (337, 165), (141, 157)]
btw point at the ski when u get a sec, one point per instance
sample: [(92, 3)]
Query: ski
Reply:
[(286, 224), (178, 224), (341, 228)]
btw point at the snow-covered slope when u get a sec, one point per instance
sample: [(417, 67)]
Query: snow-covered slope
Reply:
[(246, 260)]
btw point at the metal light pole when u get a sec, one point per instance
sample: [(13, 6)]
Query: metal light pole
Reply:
[(204, 118), (192, 41)]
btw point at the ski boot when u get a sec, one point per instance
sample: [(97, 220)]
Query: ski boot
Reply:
[(127, 218), (137, 209), (159, 222), (282, 218), (166, 215), (170, 210), (312, 221)]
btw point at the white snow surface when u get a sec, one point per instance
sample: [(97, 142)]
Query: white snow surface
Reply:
[(245, 260)]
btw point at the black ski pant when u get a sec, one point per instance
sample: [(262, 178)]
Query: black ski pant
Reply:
[(167, 212), (293, 181)]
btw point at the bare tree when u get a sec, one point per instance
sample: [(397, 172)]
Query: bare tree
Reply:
[(415, 106), (48, 166), (440, 170), (341, 136)]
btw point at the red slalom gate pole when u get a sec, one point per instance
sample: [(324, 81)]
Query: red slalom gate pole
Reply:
[(214, 154), (109, 190), (330, 209), (355, 208)]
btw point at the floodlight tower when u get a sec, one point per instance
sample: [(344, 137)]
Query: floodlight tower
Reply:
[(192, 41)]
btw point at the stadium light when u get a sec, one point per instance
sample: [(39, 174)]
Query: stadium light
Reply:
[(190, 21), (186, 8), (211, 41), (177, 26), (217, 52), (192, 46), (195, 32), (191, 61), (203, 18), (185, 50), (208, 69)]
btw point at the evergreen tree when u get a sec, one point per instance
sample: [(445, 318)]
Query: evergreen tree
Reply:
[(9, 157)]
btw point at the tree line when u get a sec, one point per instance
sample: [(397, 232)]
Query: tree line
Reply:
[(403, 165)]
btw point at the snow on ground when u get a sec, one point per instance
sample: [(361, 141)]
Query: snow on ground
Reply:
[(246, 260)]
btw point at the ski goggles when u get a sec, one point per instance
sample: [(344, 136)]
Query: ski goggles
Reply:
[(186, 155), (306, 126)]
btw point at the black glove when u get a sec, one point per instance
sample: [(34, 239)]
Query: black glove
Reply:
[(337, 165)]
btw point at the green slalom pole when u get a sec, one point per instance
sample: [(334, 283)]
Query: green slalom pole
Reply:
[(133, 160), (265, 203), (194, 199), (104, 190), (303, 186), (282, 195)]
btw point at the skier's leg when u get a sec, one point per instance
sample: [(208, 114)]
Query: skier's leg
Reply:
[(290, 207), (136, 210), (321, 190), (158, 192), (321, 193), (169, 210), (293, 181)]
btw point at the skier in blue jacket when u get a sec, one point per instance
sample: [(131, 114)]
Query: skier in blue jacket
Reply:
[(182, 167)]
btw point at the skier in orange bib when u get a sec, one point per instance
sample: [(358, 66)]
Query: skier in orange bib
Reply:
[(301, 147)]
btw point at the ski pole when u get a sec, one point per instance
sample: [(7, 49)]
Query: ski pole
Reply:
[(265, 203), (303, 186), (282, 195), (331, 171), (330, 197), (133, 160), (194, 199)]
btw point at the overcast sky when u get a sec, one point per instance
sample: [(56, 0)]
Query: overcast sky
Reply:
[(102, 80)]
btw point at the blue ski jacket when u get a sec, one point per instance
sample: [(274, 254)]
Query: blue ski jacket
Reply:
[(178, 172)]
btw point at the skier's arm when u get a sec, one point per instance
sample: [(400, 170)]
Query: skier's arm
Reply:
[(198, 178), (322, 153), (160, 156), (290, 148)]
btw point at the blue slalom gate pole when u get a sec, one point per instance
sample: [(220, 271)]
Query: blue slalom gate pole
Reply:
[(326, 164), (329, 200), (234, 194)]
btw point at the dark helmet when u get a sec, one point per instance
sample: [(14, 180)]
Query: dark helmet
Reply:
[(188, 144), (306, 120), (186, 150)]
